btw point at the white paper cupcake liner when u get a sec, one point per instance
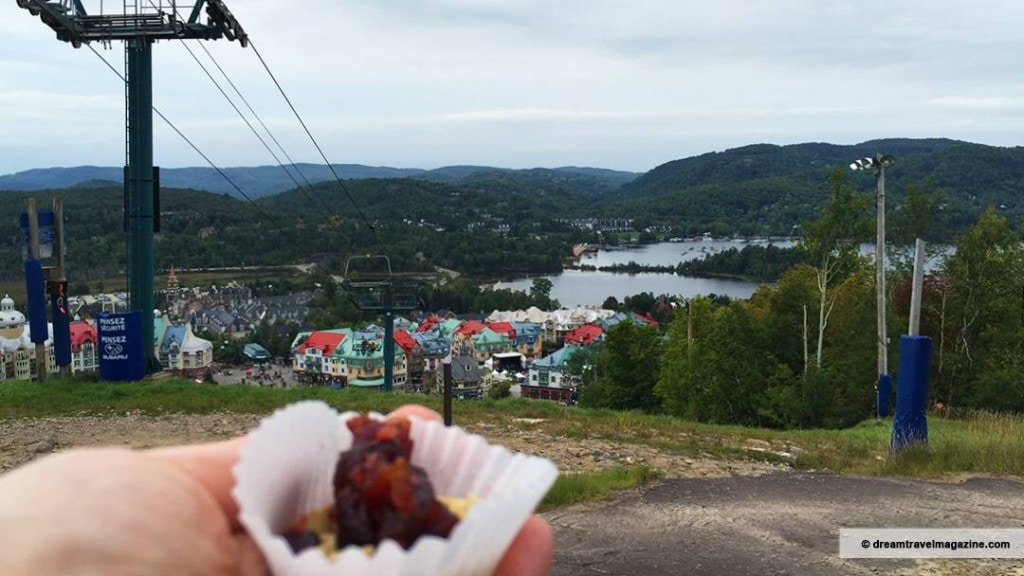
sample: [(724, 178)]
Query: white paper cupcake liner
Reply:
[(286, 471)]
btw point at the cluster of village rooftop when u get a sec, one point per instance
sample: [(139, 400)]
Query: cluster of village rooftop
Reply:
[(483, 350)]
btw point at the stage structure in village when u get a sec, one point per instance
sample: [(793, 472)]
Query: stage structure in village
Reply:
[(139, 25)]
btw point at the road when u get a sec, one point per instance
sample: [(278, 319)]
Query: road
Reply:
[(783, 523)]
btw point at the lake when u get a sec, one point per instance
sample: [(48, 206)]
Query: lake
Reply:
[(584, 288)]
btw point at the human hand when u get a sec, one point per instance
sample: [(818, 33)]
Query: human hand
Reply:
[(117, 511)]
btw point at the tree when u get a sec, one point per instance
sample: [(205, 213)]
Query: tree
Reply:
[(682, 382), (540, 292), (832, 244), (981, 299), (918, 216), (581, 366), (628, 367)]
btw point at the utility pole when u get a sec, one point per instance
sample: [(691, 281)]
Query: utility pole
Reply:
[(879, 164), (142, 23)]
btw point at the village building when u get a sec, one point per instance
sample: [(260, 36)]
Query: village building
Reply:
[(345, 358), (467, 378), (584, 335), (528, 341), (180, 351), (549, 377), (432, 349), (487, 343), (84, 347), (17, 351), (312, 356)]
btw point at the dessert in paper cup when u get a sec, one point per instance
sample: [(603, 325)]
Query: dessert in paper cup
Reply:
[(285, 475)]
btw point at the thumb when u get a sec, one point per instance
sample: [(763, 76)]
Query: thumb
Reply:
[(250, 559)]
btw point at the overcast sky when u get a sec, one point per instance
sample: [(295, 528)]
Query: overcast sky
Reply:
[(623, 84)]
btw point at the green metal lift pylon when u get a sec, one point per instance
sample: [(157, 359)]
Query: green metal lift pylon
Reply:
[(142, 23)]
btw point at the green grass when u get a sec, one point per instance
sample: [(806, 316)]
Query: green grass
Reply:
[(979, 443), (576, 488), (54, 398), (982, 443)]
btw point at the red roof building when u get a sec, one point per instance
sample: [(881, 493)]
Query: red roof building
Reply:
[(405, 341), (583, 335), (469, 328), (428, 323), (647, 318), (326, 342), (503, 328), (82, 332)]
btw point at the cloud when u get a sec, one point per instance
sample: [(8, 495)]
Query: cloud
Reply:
[(534, 82), (995, 104)]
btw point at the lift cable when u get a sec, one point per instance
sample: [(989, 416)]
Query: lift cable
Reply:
[(337, 178), (251, 110), (249, 124), (258, 118), (190, 143)]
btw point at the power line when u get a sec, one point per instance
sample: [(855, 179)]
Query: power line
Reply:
[(337, 178), (190, 143)]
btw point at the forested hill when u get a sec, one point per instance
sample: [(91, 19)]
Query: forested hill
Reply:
[(756, 190), (768, 189), (260, 181), (761, 161)]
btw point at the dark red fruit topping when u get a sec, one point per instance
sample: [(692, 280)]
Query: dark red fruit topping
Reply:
[(379, 493)]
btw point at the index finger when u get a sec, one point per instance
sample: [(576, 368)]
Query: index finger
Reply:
[(211, 466), (416, 410)]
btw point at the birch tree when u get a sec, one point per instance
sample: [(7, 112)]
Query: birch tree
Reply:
[(831, 243)]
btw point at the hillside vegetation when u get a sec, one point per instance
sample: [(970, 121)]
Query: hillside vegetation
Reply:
[(980, 443)]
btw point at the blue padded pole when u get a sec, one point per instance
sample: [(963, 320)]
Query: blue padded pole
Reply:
[(911, 423)]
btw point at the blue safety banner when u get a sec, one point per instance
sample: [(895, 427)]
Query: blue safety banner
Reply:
[(121, 346)]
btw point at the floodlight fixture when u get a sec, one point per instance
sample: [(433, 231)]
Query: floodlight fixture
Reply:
[(878, 162)]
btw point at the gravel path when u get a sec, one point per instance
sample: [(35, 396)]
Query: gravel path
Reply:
[(25, 439), (784, 523)]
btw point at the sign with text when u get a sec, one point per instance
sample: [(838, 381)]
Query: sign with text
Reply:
[(46, 234), (121, 347)]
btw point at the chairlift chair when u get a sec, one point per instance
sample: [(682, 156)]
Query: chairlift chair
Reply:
[(368, 271)]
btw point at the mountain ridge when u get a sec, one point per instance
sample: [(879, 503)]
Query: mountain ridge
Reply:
[(260, 181)]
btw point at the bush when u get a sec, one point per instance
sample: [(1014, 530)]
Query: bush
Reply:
[(501, 389)]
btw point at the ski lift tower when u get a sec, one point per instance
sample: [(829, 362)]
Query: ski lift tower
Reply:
[(370, 281), (139, 25)]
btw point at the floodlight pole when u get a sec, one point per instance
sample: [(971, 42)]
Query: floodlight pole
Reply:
[(883, 337), (878, 163)]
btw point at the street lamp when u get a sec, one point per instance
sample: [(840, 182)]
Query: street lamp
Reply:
[(879, 163)]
